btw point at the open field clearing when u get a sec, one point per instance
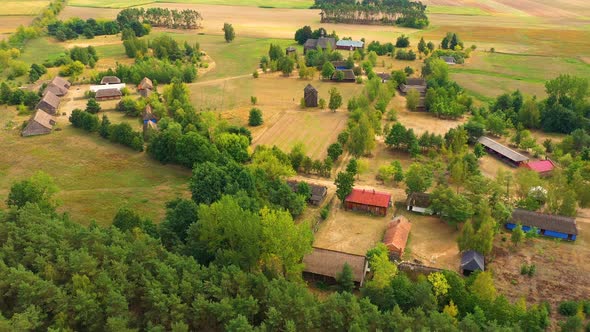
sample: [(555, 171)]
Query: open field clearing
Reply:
[(315, 129), (431, 241), (22, 8), (8, 24), (486, 87), (297, 4), (95, 176), (41, 49), (562, 269)]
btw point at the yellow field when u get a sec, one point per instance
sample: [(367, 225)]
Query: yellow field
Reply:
[(22, 8)]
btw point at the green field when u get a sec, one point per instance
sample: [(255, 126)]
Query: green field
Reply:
[(95, 176), (297, 4), (41, 49)]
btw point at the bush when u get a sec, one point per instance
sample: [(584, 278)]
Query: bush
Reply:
[(255, 74), (322, 103), (402, 41), (84, 120), (325, 212), (255, 118), (568, 308)]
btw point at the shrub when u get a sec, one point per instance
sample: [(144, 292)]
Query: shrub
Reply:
[(255, 74), (255, 118), (322, 103), (568, 308), (253, 100), (325, 212)]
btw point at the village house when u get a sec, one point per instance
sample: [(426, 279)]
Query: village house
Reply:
[(318, 192), (504, 153), (368, 200), (385, 77), (110, 80), (418, 84), (350, 45), (145, 87), (348, 76), (322, 43), (150, 121), (40, 123), (108, 94), (61, 82), (57, 90), (419, 202), (555, 226), (49, 103), (310, 94), (340, 65), (472, 261), (326, 264), (396, 236), (290, 50), (542, 167), (449, 60)]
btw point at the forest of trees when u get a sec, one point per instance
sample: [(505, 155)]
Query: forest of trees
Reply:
[(402, 12), (161, 17)]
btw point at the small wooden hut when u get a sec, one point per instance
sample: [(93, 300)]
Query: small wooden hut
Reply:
[(40, 124), (310, 94)]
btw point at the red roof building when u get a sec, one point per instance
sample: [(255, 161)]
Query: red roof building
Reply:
[(396, 236), (543, 167), (368, 200)]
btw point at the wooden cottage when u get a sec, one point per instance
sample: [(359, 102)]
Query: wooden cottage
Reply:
[(310, 94), (560, 227), (418, 84), (396, 236), (349, 45), (327, 264), (145, 87), (368, 200), (543, 167), (385, 77), (419, 202), (290, 51), (61, 82), (348, 76), (110, 80), (449, 60), (57, 90), (108, 94), (504, 153), (322, 43), (40, 124), (318, 192), (472, 261), (49, 103)]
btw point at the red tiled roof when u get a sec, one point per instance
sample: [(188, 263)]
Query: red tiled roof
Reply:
[(369, 197), (396, 234), (540, 166)]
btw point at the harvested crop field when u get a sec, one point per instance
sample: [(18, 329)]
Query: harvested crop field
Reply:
[(8, 24), (23, 8), (315, 129), (300, 4)]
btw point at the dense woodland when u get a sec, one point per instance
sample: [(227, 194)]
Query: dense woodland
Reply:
[(402, 12)]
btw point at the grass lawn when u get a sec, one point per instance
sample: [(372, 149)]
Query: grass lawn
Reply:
[(298, 4), (95, 176), (41, 49), (23, 7)]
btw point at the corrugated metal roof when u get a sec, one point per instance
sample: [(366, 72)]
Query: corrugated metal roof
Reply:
[(350, 43), (502, 149)]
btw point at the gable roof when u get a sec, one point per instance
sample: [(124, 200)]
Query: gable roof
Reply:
[(147, 113), (321, 42), (369, 197), (561, 224), (110, 80), (291, 49), (105, 93), (55, 89), (348, 74), (418, 199), (502, 149), (50, 99), (384, 76), (415, 81), (318, 192), (310, 88), (448, 59), (43, 118), (329, 263), (60, 81), (145, 83), (350, 43), (397, 233), (540, 166), (472, 260)]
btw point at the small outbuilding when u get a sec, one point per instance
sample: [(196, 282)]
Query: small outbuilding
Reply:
[(350, 45), (419, 202), (396, 236), (110, 80), (385, 77), (449, 60), (61, 82), (327, 264), (503, 152), (290, 50), (145, 87), (310, 94), (472, 261), (57, 90), (368, 200), (108, 94), (549, 225), (415, 83), (322, 43), (318, 192), (543, 167), (49, 103), (40, 124), (347, 76)]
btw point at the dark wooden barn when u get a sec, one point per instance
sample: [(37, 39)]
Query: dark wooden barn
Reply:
[(472, 261), (418, 84), (322, 43), (61, 82), (347, 76), (108, 94), (57, 90), (560, 227), (368, 200), (503, 152), (310, 94), (40, 124), (290, 50), (318, 192), (49, 103), (327, 264), (419, 202)]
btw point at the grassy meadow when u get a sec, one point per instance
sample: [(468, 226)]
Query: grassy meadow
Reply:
[(295, 4)]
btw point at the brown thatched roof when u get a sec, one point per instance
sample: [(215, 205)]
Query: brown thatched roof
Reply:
[(107, 93), (145, 83), (501, 149), (110, 80), (56, 89), (60, 81), (40, 123), (384, 76), (348, 75), (321, 42), (50, 99), (318, 192), (415, 81), (44, 119), (561, 224), (329, 263), (310, 88), (418, 199), (397, 233)]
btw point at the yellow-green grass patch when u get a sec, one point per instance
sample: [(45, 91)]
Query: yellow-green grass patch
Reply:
[(23, 8), (486, 87), (41, 49), (456, 10)]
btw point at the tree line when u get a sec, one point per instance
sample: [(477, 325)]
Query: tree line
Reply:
[(161, 17), (402, 12)]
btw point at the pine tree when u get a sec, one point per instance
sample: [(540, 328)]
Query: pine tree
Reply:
[(345, 279)]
